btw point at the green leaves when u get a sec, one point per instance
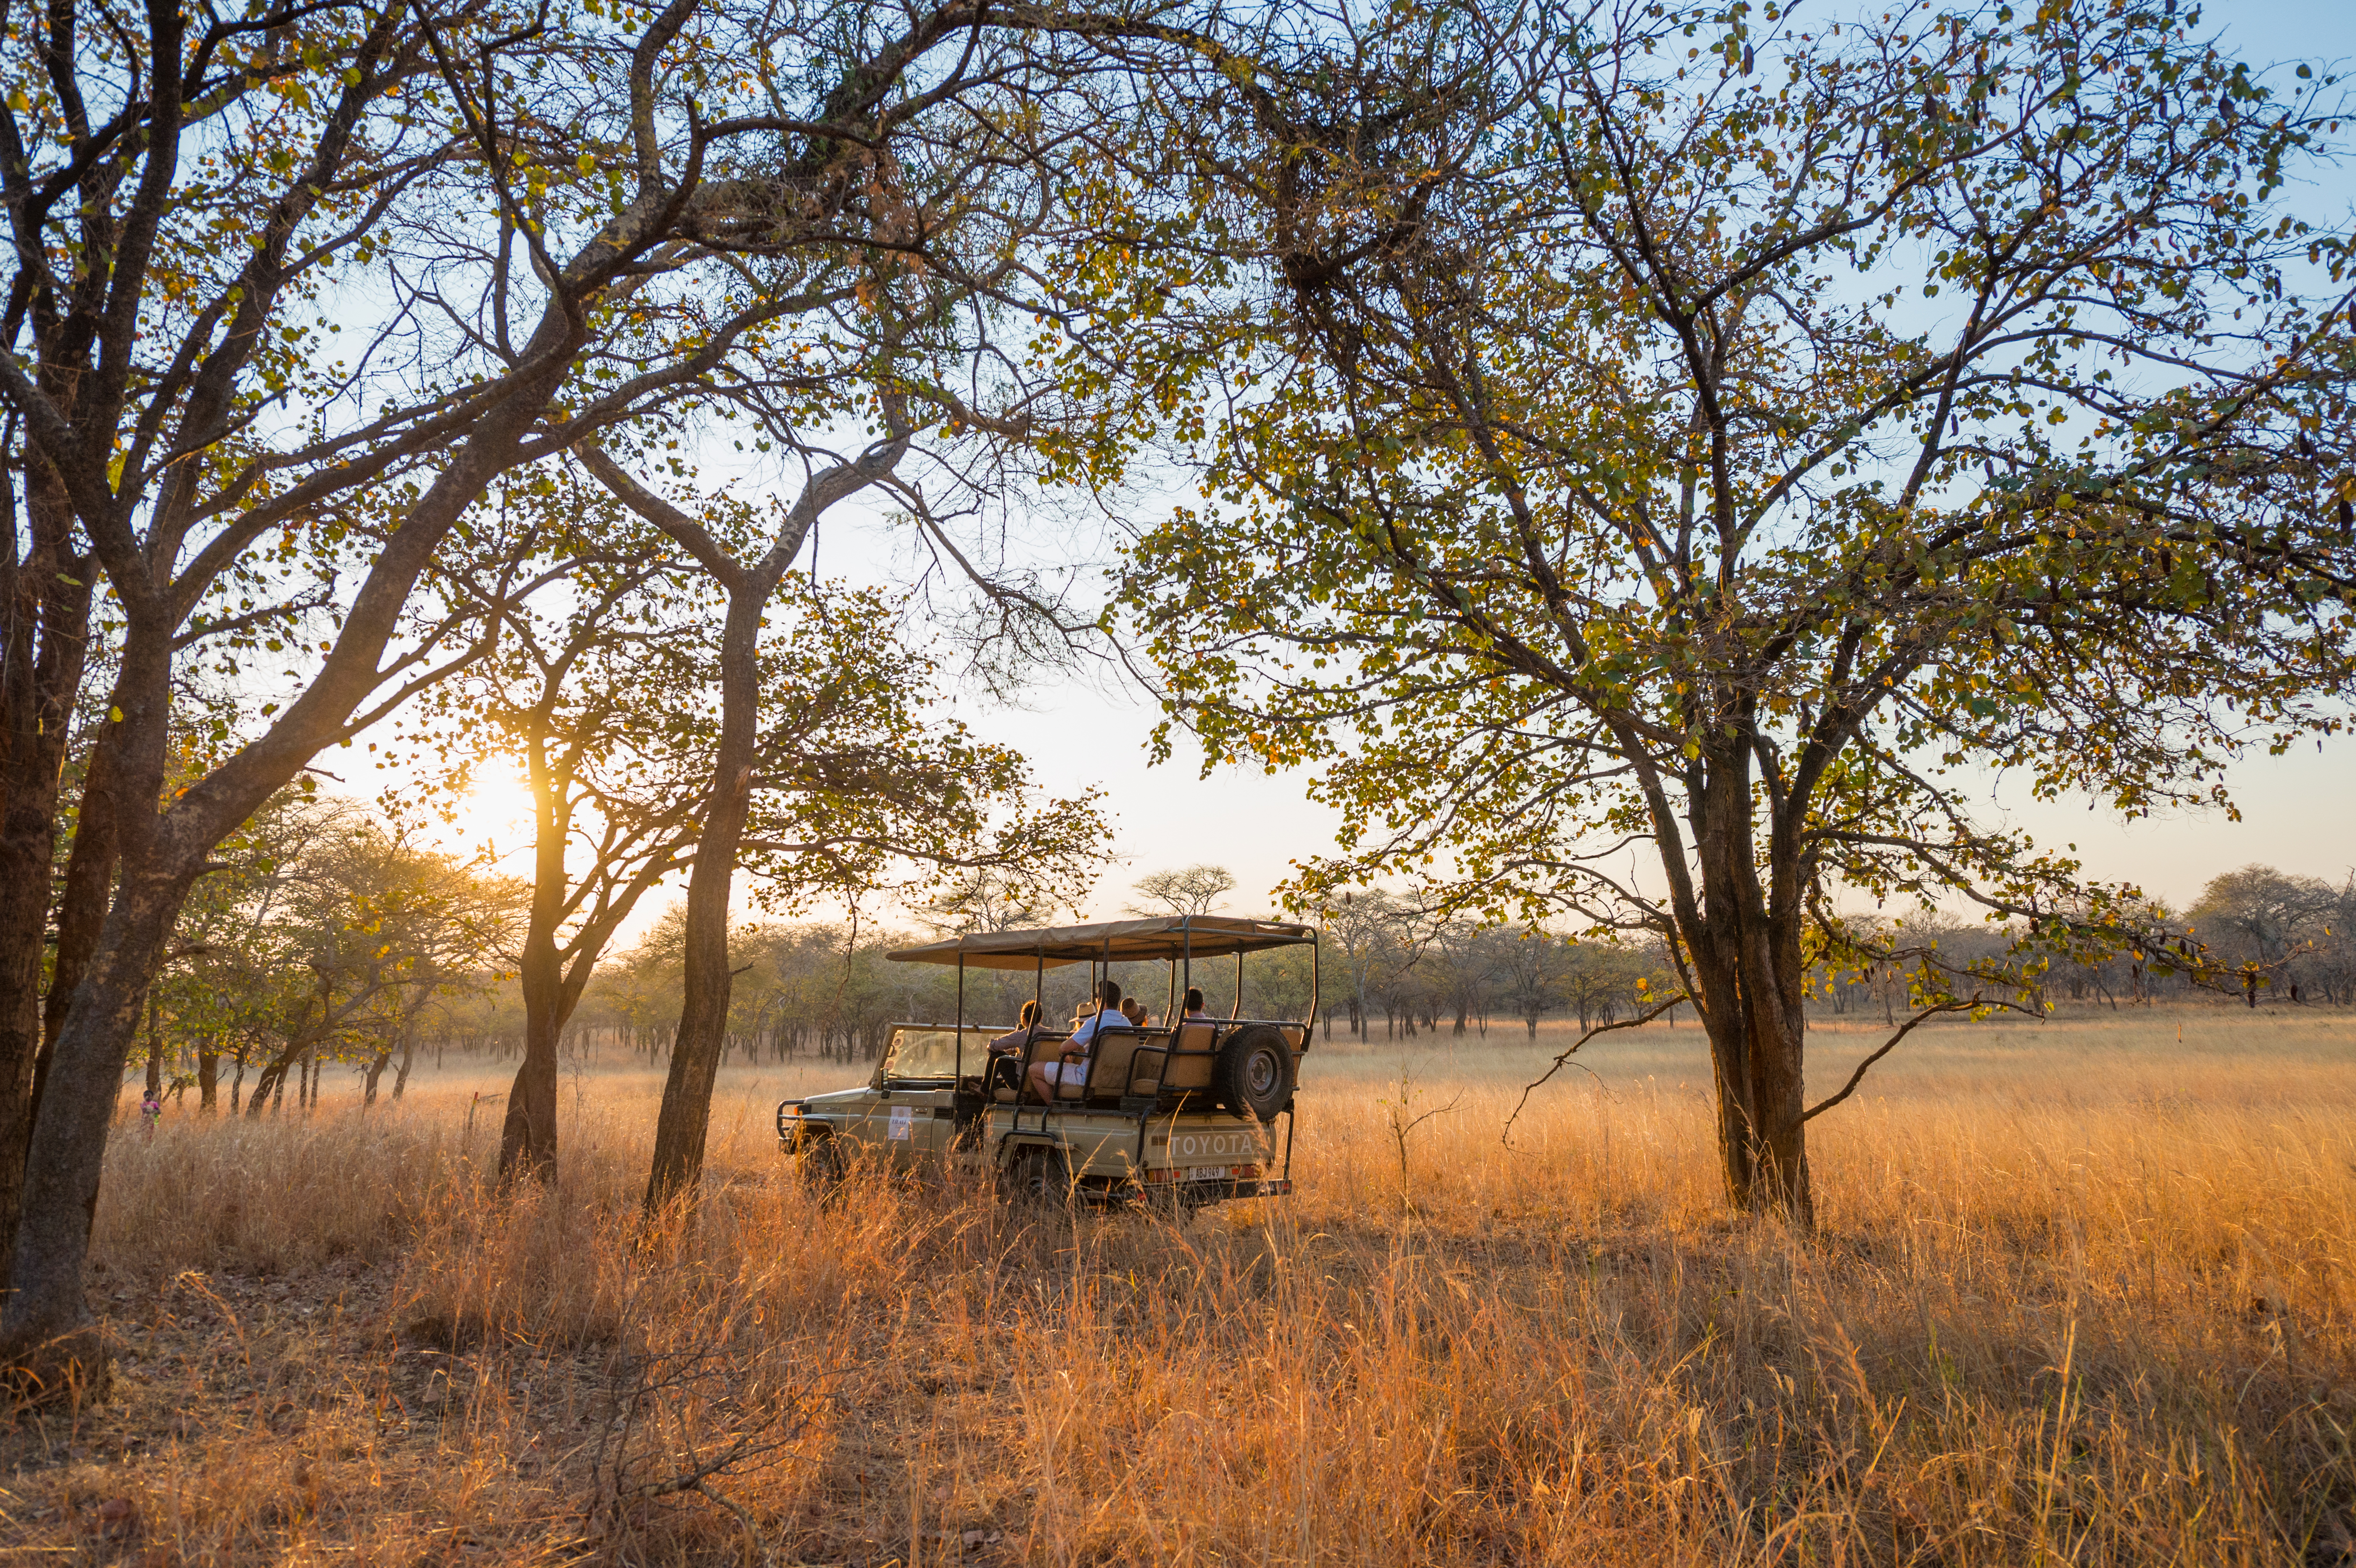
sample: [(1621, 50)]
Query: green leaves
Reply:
[(1601, 492)]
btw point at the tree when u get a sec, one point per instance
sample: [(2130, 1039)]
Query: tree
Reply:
[(1194, 890), (1676, 431), (823, 768), (1538, 969), (593, 693), (372, 932), (2258, 920), (991, 898), (1360, 930), (322, 937), (543, 224)]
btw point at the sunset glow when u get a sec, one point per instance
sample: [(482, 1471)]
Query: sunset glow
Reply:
[(496, 812)]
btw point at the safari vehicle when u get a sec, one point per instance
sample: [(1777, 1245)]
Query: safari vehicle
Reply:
[(1187, 1109)]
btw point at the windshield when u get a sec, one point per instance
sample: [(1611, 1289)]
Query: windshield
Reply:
[(928, 1052)]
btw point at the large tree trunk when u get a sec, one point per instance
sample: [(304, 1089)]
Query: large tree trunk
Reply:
[(686, 1114), (207, 1078), (41, 661), (45, 1325), (528, 1136), (1747, 959), (48, 1328), (88, 890)]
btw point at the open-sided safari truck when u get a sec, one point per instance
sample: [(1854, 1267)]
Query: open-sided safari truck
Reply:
[(1189, 1108)]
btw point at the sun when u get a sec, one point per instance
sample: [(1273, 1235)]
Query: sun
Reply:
[(496, 811)]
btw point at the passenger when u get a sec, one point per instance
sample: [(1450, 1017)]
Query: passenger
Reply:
[(1194, 1004), (1007, 1052), (1046, 1075), (1134, 1011), (1018, 1040)]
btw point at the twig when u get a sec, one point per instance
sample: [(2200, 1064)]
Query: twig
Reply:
[(1507, 1137), (1891, 1044)]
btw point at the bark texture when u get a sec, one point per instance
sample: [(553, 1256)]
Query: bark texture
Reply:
[(41, 659), (686, 1116), (1742, 940)]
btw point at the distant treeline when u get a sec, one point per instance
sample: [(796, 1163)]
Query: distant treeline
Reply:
[(323, 942)]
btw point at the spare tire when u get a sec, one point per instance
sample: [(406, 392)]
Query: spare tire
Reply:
[(1254, 1075)]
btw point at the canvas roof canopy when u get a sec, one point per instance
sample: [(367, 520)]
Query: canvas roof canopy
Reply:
[(1114, 941)]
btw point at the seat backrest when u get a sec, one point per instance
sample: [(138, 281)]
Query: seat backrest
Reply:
[(1109, 1071), (1191, 1057), (1149, 1059)]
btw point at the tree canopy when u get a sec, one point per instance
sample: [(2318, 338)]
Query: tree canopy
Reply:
[(1727, 436)]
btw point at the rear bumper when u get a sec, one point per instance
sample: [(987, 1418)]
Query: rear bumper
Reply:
[(1221, 1192)]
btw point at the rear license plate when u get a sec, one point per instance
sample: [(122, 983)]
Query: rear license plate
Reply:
[(1210, 1173)]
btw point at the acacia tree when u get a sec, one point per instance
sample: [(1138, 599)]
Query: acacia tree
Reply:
[(1662, 431), (1195, 889), (366, 931), (612, 697), (322, 936), (539, 222)]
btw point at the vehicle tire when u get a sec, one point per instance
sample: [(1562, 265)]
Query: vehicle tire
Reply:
[(822, 1168), (1254, 1075), (1041, 1177)]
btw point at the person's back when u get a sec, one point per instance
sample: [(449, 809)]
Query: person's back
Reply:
[(1046, 1077)]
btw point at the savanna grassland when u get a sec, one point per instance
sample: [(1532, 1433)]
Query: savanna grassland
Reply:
[(2082, 1294)]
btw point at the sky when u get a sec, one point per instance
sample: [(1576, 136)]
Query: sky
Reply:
[(1081, 731)]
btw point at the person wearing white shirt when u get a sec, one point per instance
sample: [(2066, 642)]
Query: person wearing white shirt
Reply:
[(1046, 1075)]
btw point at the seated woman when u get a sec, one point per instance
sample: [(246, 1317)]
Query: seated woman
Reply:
[(1047, 1076), (1007, 1052), (1134, 1011)]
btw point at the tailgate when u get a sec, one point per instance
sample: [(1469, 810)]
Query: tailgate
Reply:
[(1205, 1150)]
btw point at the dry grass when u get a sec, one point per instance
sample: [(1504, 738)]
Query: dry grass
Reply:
[(2084, 1295)]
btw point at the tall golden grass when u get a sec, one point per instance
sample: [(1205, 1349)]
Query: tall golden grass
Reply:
[(2081, 1296)]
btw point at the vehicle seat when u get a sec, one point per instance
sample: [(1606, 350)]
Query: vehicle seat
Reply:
[(1074, 1087), (1116, 1053), (1192, 1054), (1149, 1060)]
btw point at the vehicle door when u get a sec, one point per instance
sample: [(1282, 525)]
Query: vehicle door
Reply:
[(914, 1108)]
